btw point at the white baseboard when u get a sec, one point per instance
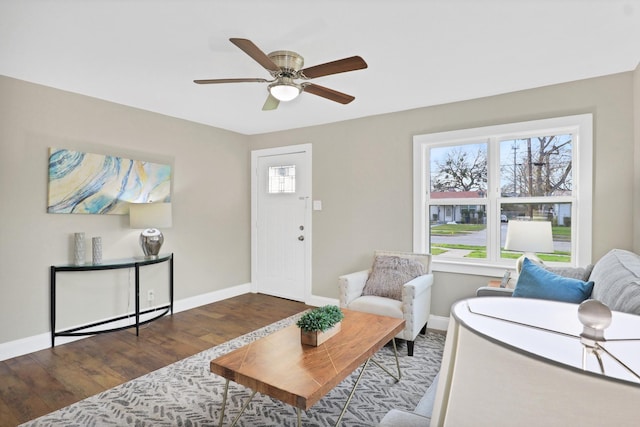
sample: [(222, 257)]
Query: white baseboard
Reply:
[(438, 323), (39, 342), (24, 346), (211, 297), (317, 301)]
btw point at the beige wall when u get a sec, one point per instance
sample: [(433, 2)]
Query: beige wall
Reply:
[(211, 210), (361, 172)]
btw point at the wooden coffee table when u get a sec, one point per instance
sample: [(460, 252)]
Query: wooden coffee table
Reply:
[(279, 366)]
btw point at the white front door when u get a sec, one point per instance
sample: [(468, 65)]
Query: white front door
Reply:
[(281, 219)]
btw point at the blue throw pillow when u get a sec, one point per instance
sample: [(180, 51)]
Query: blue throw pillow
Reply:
[(536, 282)]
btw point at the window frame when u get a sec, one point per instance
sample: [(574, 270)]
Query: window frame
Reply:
[(582, 199)]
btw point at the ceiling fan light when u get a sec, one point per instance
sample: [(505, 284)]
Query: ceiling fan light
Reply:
[(284, 92)]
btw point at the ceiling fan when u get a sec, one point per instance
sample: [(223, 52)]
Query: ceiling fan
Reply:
[(286, 67)]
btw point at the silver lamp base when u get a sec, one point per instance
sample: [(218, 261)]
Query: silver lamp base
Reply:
[(531, 257), (151, 240)]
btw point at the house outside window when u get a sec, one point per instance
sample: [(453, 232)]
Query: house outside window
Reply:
[(469, 184)]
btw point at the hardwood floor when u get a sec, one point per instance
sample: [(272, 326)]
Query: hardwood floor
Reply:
[(38, 383)]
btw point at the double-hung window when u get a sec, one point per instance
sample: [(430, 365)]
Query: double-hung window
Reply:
[(469, 184)]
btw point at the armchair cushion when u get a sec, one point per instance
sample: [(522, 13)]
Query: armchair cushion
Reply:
[(389, 274), (378, 305), (536, 282)]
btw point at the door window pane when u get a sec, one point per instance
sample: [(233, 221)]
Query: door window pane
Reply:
[(282, 179)]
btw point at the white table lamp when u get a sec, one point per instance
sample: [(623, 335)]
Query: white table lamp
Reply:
[(529, 237), (150, 217)]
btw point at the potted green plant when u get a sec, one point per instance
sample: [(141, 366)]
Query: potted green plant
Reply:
[(320, 324)]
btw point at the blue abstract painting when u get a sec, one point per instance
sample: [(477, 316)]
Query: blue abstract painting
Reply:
[(86, 183)]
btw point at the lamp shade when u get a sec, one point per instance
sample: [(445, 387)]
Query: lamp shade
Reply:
[(542, 380), (529, 236), (150, 215)]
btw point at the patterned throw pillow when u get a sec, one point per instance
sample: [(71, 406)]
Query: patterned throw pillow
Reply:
[(389, 274)]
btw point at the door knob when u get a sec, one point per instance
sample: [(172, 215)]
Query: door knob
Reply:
[(301, 238)]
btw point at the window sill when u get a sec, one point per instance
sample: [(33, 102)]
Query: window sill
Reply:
[(472, 268), (489, 269)]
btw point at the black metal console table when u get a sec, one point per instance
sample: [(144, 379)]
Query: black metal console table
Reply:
[(135, 263)]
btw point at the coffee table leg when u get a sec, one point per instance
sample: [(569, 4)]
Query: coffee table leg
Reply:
[(224, 402), (353, 390), (243, 408), (299, 418), (384, 368), (224, 405), (395, 353), (364, 367)]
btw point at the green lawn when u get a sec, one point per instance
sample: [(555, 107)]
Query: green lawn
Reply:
[(562, 234), (480, 252), (559, 234), (453, 229)]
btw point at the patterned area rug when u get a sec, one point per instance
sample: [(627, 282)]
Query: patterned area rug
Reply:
[(187, 394)]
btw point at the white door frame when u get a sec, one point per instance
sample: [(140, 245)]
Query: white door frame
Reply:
[(255, 154)]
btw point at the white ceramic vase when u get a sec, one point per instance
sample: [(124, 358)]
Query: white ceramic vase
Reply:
[(96, 250), (78, 249)]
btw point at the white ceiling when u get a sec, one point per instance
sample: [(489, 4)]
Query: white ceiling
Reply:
[(146, 53)]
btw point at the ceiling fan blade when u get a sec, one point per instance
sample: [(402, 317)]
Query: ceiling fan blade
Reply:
[(340, 66), (325, 92), (254, 52), (211, 81), (271, 103)]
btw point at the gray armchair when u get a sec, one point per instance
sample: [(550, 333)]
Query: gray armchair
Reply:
[(414, 307)]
